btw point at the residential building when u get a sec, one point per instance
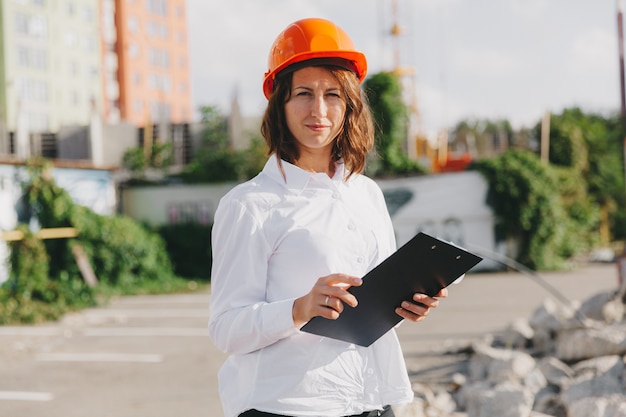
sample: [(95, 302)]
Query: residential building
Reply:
[(153, 60), (50, 64), (70, 63)]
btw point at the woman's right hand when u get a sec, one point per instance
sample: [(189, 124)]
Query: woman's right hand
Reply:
[(326, 298)]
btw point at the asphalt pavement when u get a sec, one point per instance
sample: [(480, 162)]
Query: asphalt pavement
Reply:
[(150, 356)]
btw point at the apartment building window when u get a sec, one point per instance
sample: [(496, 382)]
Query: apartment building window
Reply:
[(34, 26), (133, 50), (38, 27), (39, 2), (88, 14), (137, 106), (21, 23), (159, 111), (159, 58), (158, 7), (39, 59), (32, 90), (136, 78), (33, 58), (69, 8), (157, 30), (71, 39), (160, 82), (23, 60), (88, 43), (133, 24)]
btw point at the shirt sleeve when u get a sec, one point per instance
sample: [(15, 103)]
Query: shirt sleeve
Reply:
[(241, 320)]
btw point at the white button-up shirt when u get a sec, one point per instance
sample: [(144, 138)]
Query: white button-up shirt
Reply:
[(273, 237)]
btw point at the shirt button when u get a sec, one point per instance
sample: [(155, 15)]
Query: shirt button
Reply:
[(335, 195), (359, 259), (351, 226), (370, 371)]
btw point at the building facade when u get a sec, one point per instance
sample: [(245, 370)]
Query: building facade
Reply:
[(66, 63), (50, 65), (153, 74)]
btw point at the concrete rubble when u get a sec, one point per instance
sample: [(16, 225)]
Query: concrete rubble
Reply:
[(563, 361)]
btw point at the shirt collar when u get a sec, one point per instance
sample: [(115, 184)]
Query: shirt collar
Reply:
[(296, 179)]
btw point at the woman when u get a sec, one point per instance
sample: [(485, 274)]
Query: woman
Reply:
[(289, 243)]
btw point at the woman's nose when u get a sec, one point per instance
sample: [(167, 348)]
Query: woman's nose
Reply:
[(318, 107)]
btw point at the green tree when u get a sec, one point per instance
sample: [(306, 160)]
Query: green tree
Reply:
[(157, 159), (216, 161), (528, 199), (482, 137), (384, 92), (254, 157), (591, 145)]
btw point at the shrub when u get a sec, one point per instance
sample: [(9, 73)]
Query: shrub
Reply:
[(547, 212), (189, 247), (45, 281)]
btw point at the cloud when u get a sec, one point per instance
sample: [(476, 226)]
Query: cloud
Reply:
[(482, 58), (483, 62), (529, 9), (229, 43), (594, 50)]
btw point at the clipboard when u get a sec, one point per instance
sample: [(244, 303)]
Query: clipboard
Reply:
[(424, 265)]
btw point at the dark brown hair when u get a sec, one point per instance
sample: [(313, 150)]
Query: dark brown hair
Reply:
[(355, 139)]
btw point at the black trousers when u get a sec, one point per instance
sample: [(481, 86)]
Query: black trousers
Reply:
[(386, 412)]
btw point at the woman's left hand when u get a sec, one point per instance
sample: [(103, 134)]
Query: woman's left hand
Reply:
[(418, 309)]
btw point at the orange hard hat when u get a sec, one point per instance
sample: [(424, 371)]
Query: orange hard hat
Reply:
[(310, 39)]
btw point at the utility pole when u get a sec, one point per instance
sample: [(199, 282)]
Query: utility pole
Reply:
[(620, 44), (621, 259)]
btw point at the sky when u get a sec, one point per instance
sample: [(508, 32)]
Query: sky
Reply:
[(471, 59)]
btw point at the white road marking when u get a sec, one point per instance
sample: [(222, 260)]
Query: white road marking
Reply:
[(173, 312), (99, 357), (30, 331), (173, 299), (26, 396), (146, 331), (105, 331)]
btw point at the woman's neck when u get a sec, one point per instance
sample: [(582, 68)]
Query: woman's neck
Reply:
[(325, 165)]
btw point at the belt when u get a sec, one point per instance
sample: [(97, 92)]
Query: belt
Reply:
[(257, 413)]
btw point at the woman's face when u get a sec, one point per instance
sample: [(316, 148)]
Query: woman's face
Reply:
[(316, 108)]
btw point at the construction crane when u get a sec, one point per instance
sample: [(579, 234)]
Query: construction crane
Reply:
[(416, 144), (434, 153)]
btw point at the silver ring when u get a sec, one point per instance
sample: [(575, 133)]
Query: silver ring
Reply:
[(326, 302)]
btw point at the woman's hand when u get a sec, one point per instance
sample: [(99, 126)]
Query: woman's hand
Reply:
[(420, 307), (325, 299)]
